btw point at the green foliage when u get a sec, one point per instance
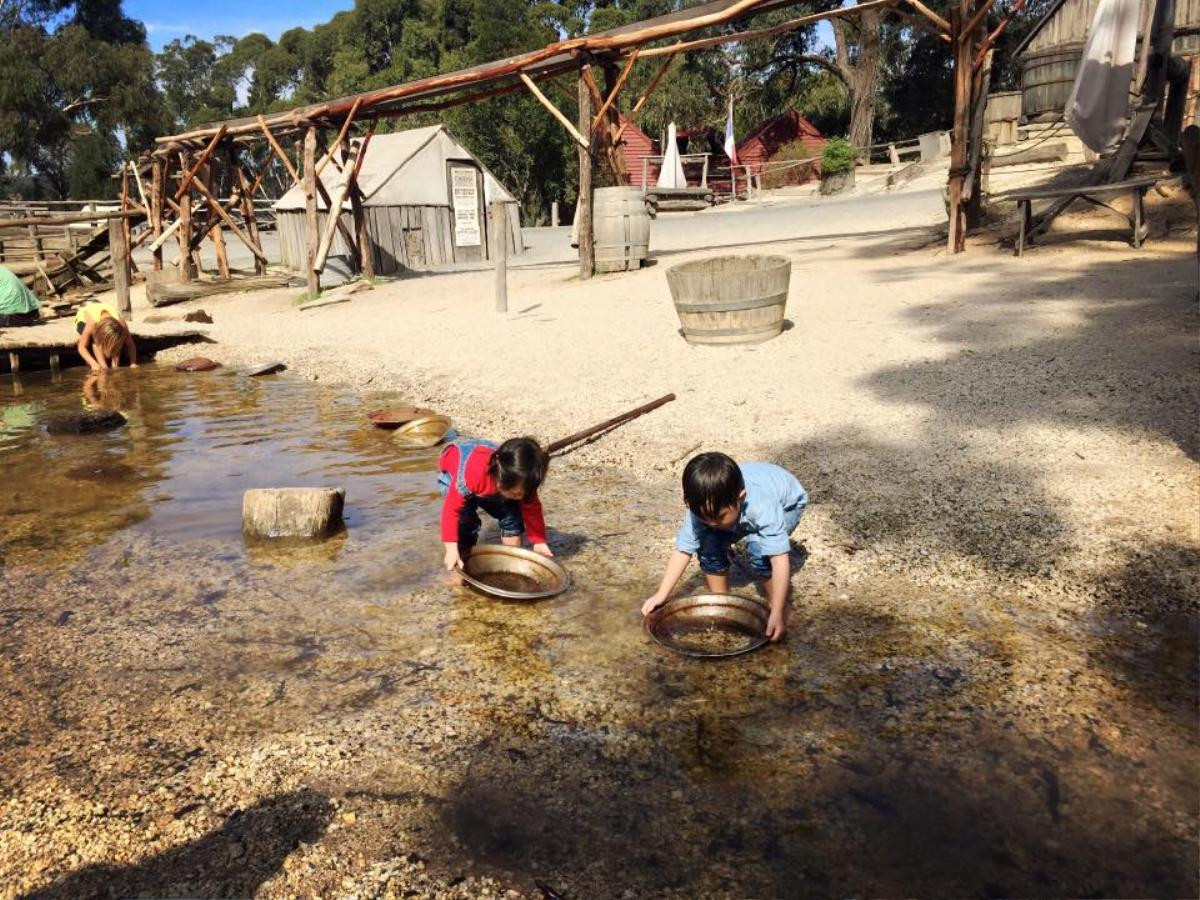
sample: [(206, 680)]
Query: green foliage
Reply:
[(837, 157), (778, 176)]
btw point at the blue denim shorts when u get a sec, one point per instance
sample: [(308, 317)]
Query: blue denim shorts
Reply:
[(506, 512), (715, 544)]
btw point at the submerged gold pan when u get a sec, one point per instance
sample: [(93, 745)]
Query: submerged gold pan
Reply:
[(514, 573), (427, 431), (710, 625)]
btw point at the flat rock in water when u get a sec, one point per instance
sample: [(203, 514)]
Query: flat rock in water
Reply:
[(265, 369), (292, 512), (197, 364), (85, 422)]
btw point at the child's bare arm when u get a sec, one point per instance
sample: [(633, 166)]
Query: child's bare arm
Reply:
[(676, 564), (83, 346), (781, 575), (131, 349)]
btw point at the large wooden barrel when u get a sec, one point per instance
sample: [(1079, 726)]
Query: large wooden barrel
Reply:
[(730, 299), (621, 225), (1046, 79)]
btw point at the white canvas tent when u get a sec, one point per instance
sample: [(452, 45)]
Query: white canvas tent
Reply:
[(425, 198)]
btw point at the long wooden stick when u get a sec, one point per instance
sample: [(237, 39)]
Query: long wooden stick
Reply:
[(341, 136), (737, 37), (199, 163), (979, 16), (283, 157), (616, 90), (553, 110), (990, 41), (262, 172), (624, 417), (335, 211)]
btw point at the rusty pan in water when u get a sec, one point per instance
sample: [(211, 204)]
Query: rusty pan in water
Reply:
[(514, 573), (427, 431), (710, 625), (395, 416)]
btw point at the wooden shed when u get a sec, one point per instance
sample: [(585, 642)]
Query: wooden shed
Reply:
[(635, 146), (767, 138), (425, 197), (1050, 53)]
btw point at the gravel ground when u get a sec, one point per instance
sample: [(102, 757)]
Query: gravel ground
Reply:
[(989, 685)]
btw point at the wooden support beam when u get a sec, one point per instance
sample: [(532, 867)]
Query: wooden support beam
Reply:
[(616, 90), (246, 197), (963, 52), (593, 88), (930, 15), (283, 157), (976, 20), (553, 110), (366, 254), (781, 28), (157, 181), (587, 240), (262, 171), (641, 101), (335, 210), (499, 210), (336, 145), (213, 224), (187, 264), (200, 161), (991, 39), (119, 249), (217, 207), (312, 237)]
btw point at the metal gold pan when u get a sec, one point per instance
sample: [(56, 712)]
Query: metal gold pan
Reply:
[(499, 561), (734, 616)]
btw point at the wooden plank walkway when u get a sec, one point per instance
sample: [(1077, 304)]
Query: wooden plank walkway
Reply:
[(52, 343)]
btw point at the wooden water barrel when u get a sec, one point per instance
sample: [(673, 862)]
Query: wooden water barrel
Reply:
[(1047, 78), (730, 299), (621, 225)]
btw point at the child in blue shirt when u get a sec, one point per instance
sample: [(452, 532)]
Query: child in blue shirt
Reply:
[(760, 502)]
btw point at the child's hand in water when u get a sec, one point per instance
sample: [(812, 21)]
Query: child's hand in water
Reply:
[(451, 560), (653, 603), (543, 549)]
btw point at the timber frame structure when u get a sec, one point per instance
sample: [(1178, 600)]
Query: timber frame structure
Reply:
[(188, 172)]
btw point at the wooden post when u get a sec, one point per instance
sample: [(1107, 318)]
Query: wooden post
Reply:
[(54, 365), (587, 240), (500, 252), (955, 240), (974, 186), (156, 208), (553, 213), (119, 250), (125, 204), (205, 181), (362, 237), (311, 232), (14, 362), (187, 263), (246, 196)]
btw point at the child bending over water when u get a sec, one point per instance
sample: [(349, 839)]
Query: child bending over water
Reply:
[(103, 335), (760, 502), (501, 480)]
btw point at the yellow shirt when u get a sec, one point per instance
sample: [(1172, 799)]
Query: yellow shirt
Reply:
[(91, 311)]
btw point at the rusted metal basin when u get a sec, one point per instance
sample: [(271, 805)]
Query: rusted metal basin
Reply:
[(514, 573), (710, 625), (426, 431), (395, 416)]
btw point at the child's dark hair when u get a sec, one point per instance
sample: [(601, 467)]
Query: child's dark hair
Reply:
[(712, 482), (520, 462)]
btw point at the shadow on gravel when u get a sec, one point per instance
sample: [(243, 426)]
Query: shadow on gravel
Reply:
[(232, 861), (875, 759)]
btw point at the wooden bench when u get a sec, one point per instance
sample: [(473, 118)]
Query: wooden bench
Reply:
[(1136, 187)]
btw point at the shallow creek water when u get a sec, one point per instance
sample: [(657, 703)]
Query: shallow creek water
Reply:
[(154, 664)]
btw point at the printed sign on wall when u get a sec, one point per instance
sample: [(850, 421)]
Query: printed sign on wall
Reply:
[(464, 185)]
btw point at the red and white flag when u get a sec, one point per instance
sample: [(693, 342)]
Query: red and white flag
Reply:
[(730, 143)]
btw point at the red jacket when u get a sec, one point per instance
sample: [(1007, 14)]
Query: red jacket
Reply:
[(481, 484)]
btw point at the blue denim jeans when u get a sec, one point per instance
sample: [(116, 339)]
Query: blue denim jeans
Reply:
[(715, 544), (506, 512)]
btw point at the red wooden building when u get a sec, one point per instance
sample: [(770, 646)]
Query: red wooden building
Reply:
[(767, 138), (636, 144)]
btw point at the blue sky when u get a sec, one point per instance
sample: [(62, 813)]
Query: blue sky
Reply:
[(204, 18)]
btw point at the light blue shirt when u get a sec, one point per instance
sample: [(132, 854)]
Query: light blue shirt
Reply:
[(772, 508)]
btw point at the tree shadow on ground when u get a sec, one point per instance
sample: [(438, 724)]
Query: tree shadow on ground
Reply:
[(232, 861), (847, 768), (1146, 629), (1126, 359)]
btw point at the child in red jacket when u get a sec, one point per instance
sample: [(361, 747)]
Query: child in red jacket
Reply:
[(503, 481)]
